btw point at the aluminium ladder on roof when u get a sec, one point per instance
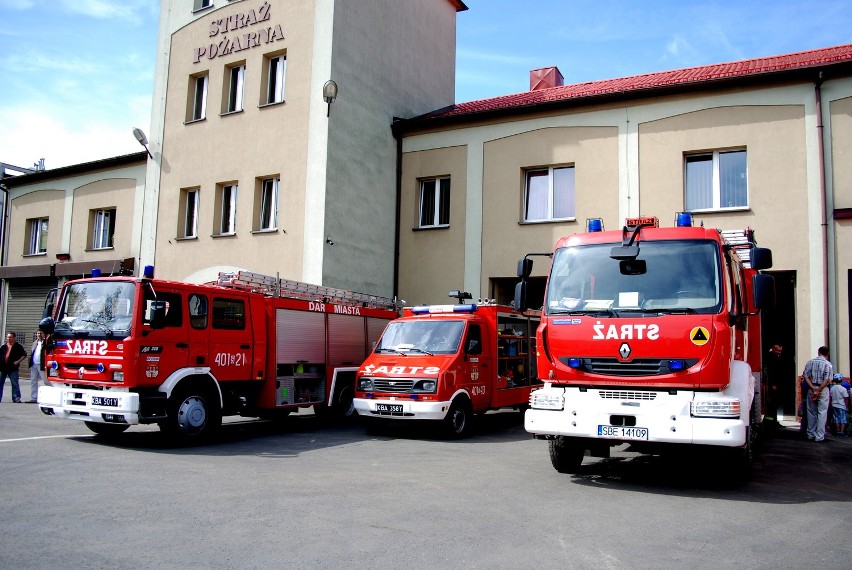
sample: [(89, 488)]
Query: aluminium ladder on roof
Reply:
[(275, 287), (742, 241)]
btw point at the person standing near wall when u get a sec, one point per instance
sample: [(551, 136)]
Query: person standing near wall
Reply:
[(817, 376), (36, 367), (11, 356)]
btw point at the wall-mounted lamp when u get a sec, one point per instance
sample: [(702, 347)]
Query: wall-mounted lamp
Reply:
[(63, 256), (329, 93), (143, 140), (328, 240)]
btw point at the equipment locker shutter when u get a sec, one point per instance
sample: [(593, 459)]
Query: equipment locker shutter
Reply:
[(375, 328), (23, 312), (345, 340), (300, 336)]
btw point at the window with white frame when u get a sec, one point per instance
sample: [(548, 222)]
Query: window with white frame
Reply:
[(236, 85), (36, 236), (201, 4), (716, 180), (276, 67), (188, 213), (268, 204), (549, 194), (435, 202), (227, 209), (197, 108), (103, 228)]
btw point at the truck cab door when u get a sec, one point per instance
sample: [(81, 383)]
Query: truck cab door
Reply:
[(163, 347), (231, 340), (478, 365)]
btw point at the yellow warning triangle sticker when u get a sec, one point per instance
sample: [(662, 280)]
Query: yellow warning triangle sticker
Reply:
[(699, 336)]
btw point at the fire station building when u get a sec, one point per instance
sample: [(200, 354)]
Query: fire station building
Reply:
[(320, 141)]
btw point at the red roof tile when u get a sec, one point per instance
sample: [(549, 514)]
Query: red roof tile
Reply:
[(649, 81)]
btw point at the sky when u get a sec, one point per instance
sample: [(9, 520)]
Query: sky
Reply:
[(76, 76)]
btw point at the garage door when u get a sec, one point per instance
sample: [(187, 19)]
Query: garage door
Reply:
[(24, 306)]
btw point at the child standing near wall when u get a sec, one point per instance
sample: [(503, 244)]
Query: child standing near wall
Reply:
[(839, 404)]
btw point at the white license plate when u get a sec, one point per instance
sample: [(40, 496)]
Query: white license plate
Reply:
[(623, 432), (392, 408), (101, 401)]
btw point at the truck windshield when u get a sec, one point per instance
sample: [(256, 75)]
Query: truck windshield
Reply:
[(429, 337), (666, 277), (96, 309)]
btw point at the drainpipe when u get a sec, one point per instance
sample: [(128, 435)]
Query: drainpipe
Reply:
[(398, 136), (823, 212)]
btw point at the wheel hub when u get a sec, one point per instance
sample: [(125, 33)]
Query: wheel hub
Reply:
[(192, 414)]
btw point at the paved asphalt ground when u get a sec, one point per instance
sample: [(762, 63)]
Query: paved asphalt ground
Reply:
[(303, 494)]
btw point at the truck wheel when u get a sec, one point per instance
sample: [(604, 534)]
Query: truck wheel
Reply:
[(107, 429), (566, 456), (344, 402), (193, 414), (457, 421), (742, 461)]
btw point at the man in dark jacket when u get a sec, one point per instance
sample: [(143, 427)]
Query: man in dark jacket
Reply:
[(11, 356)]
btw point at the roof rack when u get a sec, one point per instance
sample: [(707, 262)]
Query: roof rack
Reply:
[(273, 286)]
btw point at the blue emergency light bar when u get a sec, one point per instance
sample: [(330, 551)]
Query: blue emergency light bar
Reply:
[(437, 309)]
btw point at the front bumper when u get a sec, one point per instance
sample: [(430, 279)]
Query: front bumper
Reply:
[(411, 409), (666, 417), (79, 404)]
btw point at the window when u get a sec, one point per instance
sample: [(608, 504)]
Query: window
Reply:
[(198, 311), (226, 209), (201, 4), (716, 180), (229, 314), (235, 87), (36, 236), (274, 72), (197, 107), (434, 202), (267, 204), (173, 307), (188, 213), (549, 194), (103, 228)]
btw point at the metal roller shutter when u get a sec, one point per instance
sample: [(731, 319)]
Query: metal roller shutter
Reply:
[(23, 312), (345, 340), (301, 336)]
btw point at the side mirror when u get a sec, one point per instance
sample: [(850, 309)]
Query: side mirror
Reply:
[(521, 296), (763, 289), (525, 266), (158, 314), (761, 258)]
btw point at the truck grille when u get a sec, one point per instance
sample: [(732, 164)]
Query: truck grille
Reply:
[(626, 395), (636, 367), (398, 385)]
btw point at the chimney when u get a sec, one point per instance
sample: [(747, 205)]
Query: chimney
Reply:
[(545, 78)]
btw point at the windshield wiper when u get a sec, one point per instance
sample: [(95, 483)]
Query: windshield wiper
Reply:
[(101, 325), (606, 311)]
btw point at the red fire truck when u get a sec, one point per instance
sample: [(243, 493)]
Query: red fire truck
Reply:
[(448, 362), (129, 350), (650, 336)]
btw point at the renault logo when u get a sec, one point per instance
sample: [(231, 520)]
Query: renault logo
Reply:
[(624, 351)]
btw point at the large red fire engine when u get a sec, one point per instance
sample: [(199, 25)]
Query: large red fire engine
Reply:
[(447, 362), (131, 350), (650, 336)]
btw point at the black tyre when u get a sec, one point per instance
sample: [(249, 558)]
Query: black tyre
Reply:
[(458, 419), (193, 414), (565, 455), (107, 429)]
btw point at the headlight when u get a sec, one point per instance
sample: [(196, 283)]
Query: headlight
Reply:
[(365, 385), (715, 408), (425, 386), (547, 399)]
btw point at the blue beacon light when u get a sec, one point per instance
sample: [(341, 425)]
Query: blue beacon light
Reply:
[(594, 225), (683, 220)]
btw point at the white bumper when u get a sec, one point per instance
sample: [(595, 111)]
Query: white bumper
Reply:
[(411, 409), (666, 416), (80, 404)]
